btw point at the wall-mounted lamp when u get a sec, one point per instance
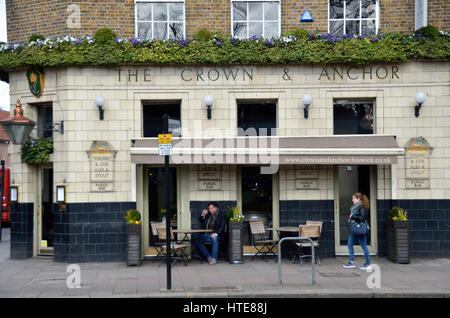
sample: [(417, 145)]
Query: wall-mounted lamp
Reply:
[(420, 99), (100, 101), (307, 101), (61, 193), (209, 101), (14, 194)]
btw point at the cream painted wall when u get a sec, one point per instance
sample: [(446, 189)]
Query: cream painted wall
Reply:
[(73, 89)]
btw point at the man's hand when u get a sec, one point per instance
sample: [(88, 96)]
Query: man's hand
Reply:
[(213, 235), (204, 212)]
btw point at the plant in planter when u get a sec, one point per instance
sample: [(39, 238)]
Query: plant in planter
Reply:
[(36, 150), (398, 237), (134, 238), (235, 229)]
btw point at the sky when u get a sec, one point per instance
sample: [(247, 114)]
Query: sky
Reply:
[(4, 87)]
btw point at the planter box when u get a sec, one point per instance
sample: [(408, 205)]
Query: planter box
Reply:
[(134, 244), (235, 230), (399, 243)]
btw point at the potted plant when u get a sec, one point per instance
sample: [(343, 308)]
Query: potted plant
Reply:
[(134, 238), (235, 230), (398, 237)]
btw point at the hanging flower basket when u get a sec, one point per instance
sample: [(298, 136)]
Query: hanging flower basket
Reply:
[(36, 150)]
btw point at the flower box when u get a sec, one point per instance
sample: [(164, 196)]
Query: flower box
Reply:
[(235, 253), (399, 243)]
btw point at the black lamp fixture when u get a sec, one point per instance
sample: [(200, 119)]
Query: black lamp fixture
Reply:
[(209, 101), (100, 101), (307, 101), (420, 99)]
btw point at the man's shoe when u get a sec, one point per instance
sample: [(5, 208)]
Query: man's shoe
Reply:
[(212, 261), (366, 267), (209, 259), (349, 265)]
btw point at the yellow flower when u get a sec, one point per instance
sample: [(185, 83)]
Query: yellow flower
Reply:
[(138, 222)]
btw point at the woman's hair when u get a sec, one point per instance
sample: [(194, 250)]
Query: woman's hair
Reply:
[(364, 199)]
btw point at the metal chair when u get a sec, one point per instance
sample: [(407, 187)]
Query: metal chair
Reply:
[(261, 241), (313, 232), (176, 250)]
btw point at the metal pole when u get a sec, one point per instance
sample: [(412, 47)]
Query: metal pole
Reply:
[(280, 275), (168, 214), (1, 200)]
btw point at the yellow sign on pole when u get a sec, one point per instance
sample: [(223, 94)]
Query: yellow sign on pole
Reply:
[(164, 138)]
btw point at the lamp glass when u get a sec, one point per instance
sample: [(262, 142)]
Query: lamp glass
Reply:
[(307, 99), (18, 132), (99, 101), (420, 97), (208, 100)]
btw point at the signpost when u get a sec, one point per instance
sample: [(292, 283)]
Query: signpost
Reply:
[(165, 149)]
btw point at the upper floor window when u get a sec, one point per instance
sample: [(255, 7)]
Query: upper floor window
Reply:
[(160, 20), (356, 17), (255, 18)]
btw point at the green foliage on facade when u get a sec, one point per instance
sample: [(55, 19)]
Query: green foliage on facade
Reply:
[(311, 49), (36, 150), (104, 36), (35, 37)]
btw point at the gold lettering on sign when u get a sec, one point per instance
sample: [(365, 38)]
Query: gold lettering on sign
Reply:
[(417, 164), (101, 155)]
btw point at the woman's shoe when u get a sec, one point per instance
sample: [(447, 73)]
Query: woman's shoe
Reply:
[(349, 265)]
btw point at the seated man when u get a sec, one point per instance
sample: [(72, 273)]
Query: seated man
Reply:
[(215, 221)]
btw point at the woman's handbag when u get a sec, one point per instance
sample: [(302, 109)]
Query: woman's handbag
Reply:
[(359, 228)]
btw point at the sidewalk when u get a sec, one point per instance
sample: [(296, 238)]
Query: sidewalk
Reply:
[(41, 277)]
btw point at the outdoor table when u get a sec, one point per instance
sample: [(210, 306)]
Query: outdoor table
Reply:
[(185, 238), (291, 229), (186, 232)]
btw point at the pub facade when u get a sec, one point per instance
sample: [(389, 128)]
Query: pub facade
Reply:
[(283, 143)]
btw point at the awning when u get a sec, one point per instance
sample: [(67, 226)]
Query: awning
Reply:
[(326, 150)]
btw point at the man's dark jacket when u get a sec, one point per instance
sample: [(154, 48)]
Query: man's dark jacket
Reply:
[(219, 224)]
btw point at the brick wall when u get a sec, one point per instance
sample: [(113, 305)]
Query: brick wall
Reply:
[(50, 17)]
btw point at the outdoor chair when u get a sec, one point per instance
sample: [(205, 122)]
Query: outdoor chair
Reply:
[(261, 241), (157, 242), (177, 250), (313, 232)]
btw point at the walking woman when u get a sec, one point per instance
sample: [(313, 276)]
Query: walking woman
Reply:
[(359, 214)]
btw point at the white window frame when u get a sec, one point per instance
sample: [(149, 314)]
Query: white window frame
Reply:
[(420, 14), (152, 21), (377, 16), (262, 21)]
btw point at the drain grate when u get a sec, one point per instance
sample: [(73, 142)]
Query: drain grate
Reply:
[(218, 288), (337, 274)]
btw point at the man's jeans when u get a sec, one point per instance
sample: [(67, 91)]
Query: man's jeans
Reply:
[(215, 245), (362, 239)]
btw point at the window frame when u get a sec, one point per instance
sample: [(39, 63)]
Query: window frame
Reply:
[(377, 17), (262, 21), (152, 21)]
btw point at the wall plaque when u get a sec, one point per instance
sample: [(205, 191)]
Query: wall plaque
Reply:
[(417, 164), (210, 185), (307, 177), (209, 172), (101, 155)]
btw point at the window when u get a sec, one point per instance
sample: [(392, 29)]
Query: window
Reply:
[(356, 17), (45, 121), (255, 18), (352, 117), (257, 118), (160, 20), (153, 118), (421, 10)]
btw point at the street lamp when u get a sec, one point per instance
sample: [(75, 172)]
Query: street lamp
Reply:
[(100, 102), (420, 99), (18, 127)]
